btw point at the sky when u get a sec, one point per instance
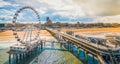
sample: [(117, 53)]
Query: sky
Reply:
[(62, 10)]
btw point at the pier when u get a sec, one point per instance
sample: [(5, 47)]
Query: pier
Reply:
[(29, 46), (99, 53)]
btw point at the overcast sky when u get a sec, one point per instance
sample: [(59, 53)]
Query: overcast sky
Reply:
[(62, 10)]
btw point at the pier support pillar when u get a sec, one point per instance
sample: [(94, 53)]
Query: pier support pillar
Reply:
[(93, 59), (61, 45), (16, 59), (23, 55), (86, 57), (41, 45), (78, 53), (72, 49), (20, 57), (9, 58), (70, 46)]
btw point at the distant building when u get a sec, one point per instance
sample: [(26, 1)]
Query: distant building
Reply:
[(2, 25), (48, 22)]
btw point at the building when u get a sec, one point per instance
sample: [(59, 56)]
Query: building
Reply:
[(2, 25), (48, 22)]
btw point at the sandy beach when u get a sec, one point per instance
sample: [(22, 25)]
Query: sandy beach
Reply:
[(92, 30), (77, 31), (9, 34)]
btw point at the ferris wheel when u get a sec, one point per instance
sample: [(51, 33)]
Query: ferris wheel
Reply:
[(29, 32)]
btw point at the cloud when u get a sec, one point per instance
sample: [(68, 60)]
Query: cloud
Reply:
[(100, 7), (108, 19), (6, 15), (63, 10), (52, 8), (64, 7), (3, 3)]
